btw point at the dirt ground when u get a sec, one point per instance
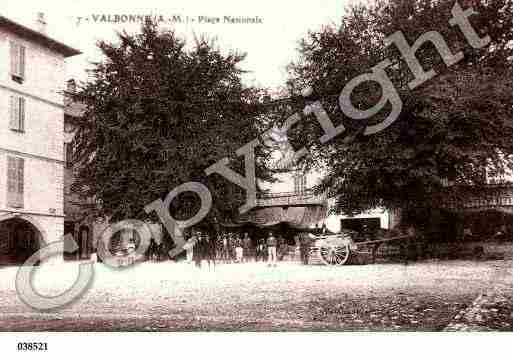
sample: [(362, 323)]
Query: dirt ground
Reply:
[(423, 296)]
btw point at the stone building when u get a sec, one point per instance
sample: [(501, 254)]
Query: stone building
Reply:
[(32, 77), (297, 184), (289, 204), (77, 221)]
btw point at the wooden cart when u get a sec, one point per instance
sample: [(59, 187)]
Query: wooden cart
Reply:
[(341, 248)]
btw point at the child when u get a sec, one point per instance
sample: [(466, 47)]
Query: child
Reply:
[(189, 247)]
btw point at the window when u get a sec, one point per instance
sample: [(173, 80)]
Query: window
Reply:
[(165, 155), (299, 183), (15, 169), (68, 155), (17, 62), (17, 114)]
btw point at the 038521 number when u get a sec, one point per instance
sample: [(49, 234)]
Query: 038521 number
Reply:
[(28, 346)]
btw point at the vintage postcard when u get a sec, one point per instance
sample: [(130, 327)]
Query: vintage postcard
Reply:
[(275, 166)]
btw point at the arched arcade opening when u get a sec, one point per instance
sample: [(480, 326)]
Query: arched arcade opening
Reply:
[(19, 239)]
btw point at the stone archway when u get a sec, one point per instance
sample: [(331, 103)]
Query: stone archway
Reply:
[(20, 238)]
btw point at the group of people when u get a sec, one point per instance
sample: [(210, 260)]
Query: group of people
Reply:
[(230, 247)]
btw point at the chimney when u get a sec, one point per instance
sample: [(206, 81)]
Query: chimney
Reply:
[(41, 23)]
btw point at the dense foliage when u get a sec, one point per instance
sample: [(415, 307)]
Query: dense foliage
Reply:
[(158, 113), (451, 129)]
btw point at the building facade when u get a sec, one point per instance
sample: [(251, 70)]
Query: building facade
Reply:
[(32, 78), (297, 185), (77, 222)]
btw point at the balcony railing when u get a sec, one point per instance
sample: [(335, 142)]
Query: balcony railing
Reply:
[(290, 199), (491, 196)]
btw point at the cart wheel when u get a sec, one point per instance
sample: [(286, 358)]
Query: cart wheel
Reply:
[(334, 255)]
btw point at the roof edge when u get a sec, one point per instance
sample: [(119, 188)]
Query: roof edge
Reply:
[(31, 34)]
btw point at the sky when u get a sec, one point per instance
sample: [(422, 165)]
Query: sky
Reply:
[(270, 46)]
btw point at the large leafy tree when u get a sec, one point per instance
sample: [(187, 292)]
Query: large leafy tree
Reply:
[(451, 127), (158, 112)]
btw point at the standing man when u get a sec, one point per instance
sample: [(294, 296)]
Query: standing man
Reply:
[(159, 249), (271, 250), (260, 249), (231, 246), (281, 248), (304, 248), (224, 247), (247, 245), (219, 246), (239, 254), (209, 248), (197, 252)]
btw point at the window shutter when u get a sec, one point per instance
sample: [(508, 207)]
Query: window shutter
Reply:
[(12, 113), (17, 113), (20, 181), (15, 182), (21, 118), (21, 71), (11, 181), (18, 58), (68, 154), (14, 58)]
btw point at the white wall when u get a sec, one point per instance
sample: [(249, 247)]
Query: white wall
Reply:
[(45, 74), (333, 221), (41, 145)]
